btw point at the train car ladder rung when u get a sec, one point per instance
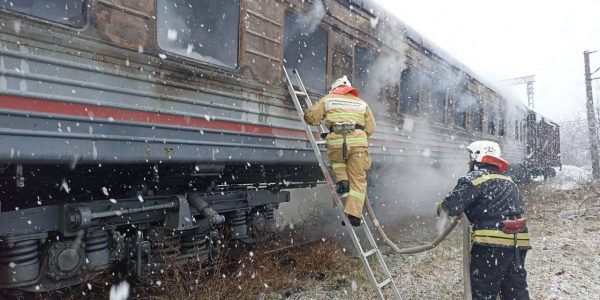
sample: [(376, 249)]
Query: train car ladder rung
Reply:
[(384, 283), (336, 198), (370, 252)]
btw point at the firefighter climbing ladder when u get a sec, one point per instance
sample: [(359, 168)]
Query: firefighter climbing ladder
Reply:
[(387, 276)]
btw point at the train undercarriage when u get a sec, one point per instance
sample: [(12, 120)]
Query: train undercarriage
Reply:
[(57, 225)]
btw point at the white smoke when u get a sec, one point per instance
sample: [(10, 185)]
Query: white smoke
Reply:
[(313, 17), (306, 23)]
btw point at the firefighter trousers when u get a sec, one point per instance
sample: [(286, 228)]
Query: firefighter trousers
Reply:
[(354, 169), (493, 273)]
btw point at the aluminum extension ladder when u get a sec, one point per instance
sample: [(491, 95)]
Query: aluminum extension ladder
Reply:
[(387, 280)]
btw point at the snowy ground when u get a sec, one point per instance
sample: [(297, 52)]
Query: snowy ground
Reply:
[(563, 264), (570, 177)]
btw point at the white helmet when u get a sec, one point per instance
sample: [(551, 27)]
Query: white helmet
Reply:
[(479, 149), (487, 152), (341, 81)]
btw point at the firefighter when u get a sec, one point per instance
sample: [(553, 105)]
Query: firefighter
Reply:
[(499, 237), (350, 121)]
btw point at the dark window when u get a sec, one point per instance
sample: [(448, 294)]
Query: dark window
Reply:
[(363, 62), (523, 131), (478, 115), (409, 92), (460, 110), (491, 121), (502, 123), (68, 12), (517, 130), (201, 29), (306, 50), (438, 100)]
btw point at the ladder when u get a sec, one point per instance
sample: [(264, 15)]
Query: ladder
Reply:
[(387, 276)]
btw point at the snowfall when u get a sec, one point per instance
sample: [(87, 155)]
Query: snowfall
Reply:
[(564, 263), (563, 216)]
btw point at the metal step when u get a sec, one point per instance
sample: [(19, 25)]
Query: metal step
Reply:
[(384, 283), (370, 252)]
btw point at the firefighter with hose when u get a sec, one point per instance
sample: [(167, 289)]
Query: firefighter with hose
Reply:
[(499, 237), (350, 121)]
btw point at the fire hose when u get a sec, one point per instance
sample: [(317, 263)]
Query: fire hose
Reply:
[(433, 244)]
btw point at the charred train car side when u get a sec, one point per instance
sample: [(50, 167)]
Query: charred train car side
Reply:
[(133, 131)]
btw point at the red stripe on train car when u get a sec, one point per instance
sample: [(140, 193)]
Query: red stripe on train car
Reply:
[(26, 104), (102, 112)]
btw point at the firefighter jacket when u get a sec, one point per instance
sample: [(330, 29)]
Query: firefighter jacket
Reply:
[(487, 198), (343, 105)]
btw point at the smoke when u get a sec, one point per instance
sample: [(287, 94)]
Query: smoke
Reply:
[(313, 17), (442, 222), (406, 181), (403, 196), (384, 72), (303, 24)]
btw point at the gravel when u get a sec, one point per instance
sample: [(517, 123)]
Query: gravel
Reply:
[(563, 264)]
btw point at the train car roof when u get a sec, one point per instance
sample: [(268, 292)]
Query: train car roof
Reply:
[(375, 10), (539, 117)]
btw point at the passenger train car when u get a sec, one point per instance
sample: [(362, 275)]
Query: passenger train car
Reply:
[(138, 132)]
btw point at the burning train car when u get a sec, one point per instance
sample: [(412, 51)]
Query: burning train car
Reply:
[(543, 146), (146, 131)]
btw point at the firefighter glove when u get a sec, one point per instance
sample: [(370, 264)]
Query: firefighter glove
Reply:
[(438, 208)]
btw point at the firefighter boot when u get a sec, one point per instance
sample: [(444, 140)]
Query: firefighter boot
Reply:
[(343, 188), (353, 220)]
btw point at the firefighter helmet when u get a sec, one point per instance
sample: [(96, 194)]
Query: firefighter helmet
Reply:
[(341, 81), (487, 152)]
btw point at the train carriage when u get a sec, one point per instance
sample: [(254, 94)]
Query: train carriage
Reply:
[(144, 127)]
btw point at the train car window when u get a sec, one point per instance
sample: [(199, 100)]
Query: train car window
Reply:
[(205, 30), (409, 92), (72, 13), (438, 100), (491, 118), (460, 110), (305, 49), (502, 123), (478, 115), (363, 62)]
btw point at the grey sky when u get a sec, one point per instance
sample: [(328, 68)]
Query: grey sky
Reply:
[(513, 38)]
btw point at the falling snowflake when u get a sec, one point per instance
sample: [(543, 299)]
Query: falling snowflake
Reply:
[(65, 186), (120, 291)]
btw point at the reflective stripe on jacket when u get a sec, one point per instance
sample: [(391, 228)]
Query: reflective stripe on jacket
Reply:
[(333, 108), (499, 238), (487, 198), (486, 177)]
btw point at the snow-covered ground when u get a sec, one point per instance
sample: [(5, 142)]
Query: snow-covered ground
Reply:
[(563, 264), (570, 177)]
